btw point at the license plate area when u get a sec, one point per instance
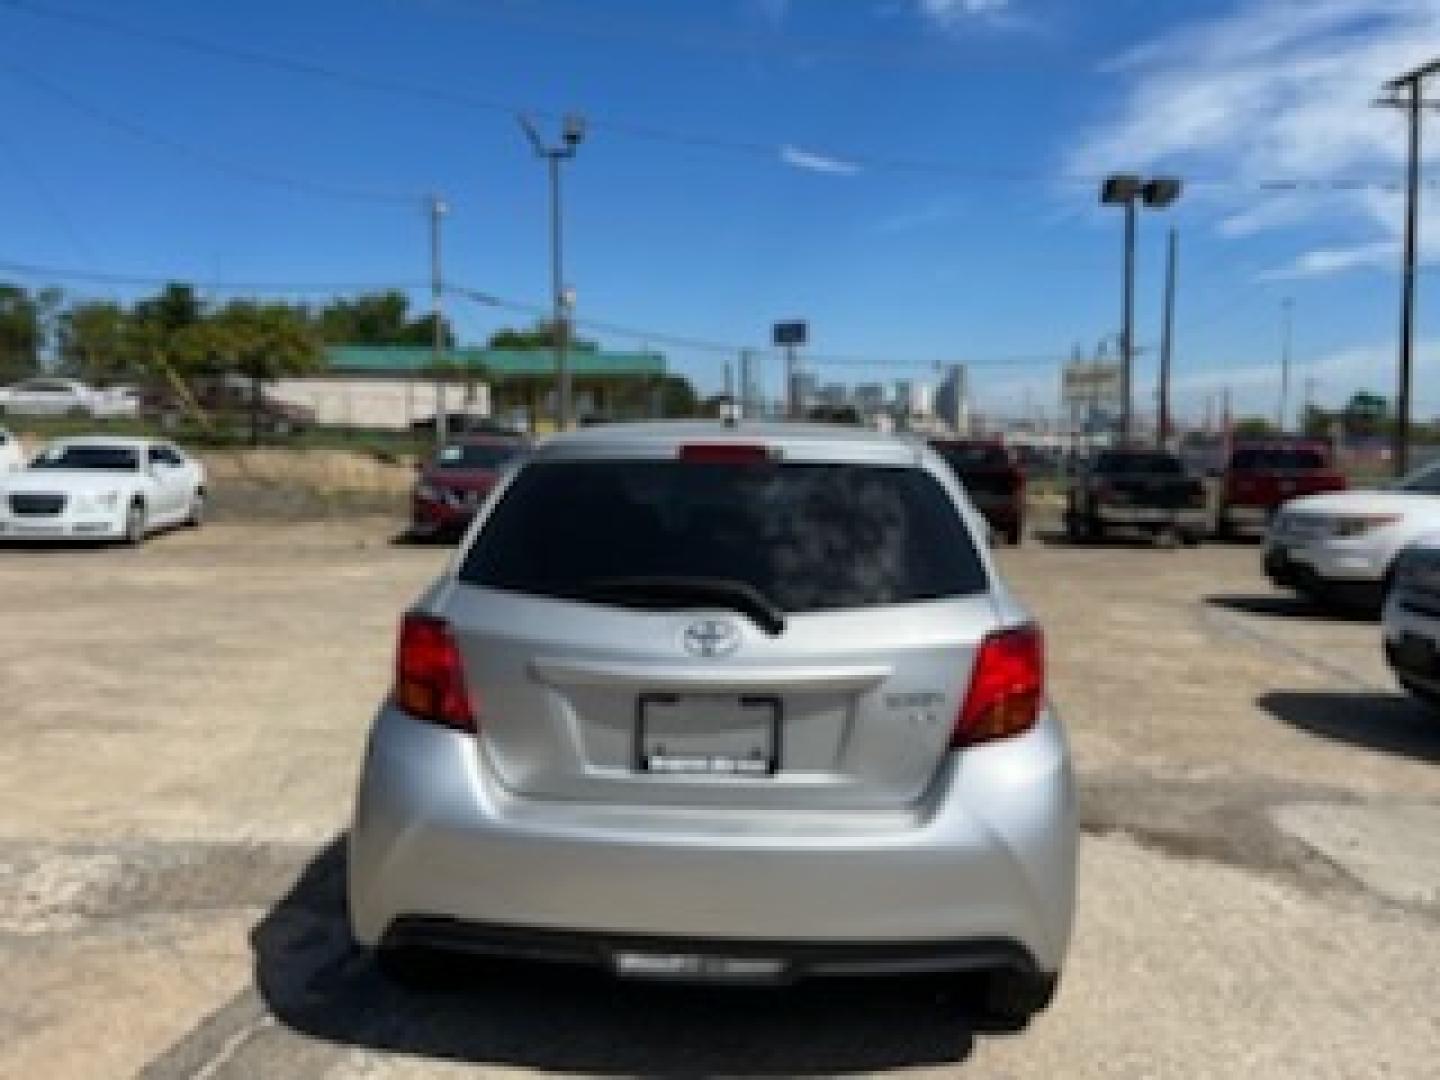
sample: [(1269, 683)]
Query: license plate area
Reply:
[(707, 735)]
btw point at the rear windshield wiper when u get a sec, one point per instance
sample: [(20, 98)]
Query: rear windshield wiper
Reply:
[(665, 593)]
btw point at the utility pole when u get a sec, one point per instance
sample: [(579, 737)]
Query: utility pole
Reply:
[(573, 132), (1287, 312), (438, 209), (1412, 101), (1167, 334), (747, 382), (1310, 384)]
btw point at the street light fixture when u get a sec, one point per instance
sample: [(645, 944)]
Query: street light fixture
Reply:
[(1126, 189), (572, 132)]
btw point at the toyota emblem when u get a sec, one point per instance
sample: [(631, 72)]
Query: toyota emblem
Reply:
[(712, 638)]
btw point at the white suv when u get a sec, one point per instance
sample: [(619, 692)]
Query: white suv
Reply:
[(1412, 620), (1340, 547)]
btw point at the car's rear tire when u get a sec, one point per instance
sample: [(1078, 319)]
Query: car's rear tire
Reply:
[(1015, 534), (196, 517), (1015, 996), (134, 524), (1224, 527)]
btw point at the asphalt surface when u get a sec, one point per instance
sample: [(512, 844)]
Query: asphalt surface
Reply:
[(1260, 878)]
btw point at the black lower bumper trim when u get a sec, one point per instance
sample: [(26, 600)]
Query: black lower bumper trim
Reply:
[(793, 959)]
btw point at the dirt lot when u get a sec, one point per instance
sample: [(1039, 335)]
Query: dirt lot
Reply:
[(1260, 886)]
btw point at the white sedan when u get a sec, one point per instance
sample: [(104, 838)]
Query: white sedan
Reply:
[(12, 457), (98, 488), (1341, 547)]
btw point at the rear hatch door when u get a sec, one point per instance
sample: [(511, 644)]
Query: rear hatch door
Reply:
[(613, 658)]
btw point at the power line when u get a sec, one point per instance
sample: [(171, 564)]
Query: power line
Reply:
[(694, 138), (53, 273), (205, 157)]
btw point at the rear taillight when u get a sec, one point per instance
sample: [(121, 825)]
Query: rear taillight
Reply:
[(429, 676), (1007, 687)]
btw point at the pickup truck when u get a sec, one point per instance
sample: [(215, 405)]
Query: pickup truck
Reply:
[(992, 479), (1262, 475), (1148, 490)]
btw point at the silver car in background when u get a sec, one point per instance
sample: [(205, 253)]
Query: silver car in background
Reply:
[(741, 703)]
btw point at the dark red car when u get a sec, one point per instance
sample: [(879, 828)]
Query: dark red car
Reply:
[(453, 484), (1263, 474), (992, 478)]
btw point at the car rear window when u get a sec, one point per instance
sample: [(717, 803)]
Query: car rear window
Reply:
[(475, 456), (1278, 457), (1139, 465), (810, 537), (974, 456)]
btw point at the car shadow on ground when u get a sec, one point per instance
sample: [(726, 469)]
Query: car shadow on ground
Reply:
[(315, 982), (1288, 606), (38, 545), (1058, 537), (1391, 723)]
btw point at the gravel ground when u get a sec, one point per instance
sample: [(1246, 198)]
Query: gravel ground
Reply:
[(1260, 891)]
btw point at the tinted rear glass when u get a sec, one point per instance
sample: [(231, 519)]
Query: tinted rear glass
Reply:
[(1278, 457), (475, 456), (809, 537), (974, 456), (1139, 465)]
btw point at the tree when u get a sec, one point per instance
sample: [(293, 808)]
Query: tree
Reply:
[(258, 341), (540, 336), (676, 397), (20, 333), (377, 319), (1366, 413), (176, 307), (1253, 425), (94, 341)]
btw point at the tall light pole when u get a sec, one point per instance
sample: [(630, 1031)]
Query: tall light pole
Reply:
[(1413, 82), (438, 210), (1126, 189), (1167, 343), (1287, 312), (572, 134)]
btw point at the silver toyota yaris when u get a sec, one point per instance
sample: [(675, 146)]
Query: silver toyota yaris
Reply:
[(710, 702)]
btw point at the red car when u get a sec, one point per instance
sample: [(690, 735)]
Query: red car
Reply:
[(992, 478), (452, 485), (1263, 474)]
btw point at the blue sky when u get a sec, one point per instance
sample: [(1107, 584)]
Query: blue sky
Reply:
[(915, 177)]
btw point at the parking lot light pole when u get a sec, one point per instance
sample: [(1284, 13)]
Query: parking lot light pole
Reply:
[(1126, 189), (572, 134), (438, 209)]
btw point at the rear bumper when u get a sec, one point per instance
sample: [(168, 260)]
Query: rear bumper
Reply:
[(751, 960), (434, 519), (1252, 516), (1344, 579), (986, 866), (1152, 516)]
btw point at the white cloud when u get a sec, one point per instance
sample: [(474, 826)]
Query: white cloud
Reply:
[(1322, 262), (951, 14), (813, 162), (946, 10), (771, 12), (1276, 90), (935, 212)]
